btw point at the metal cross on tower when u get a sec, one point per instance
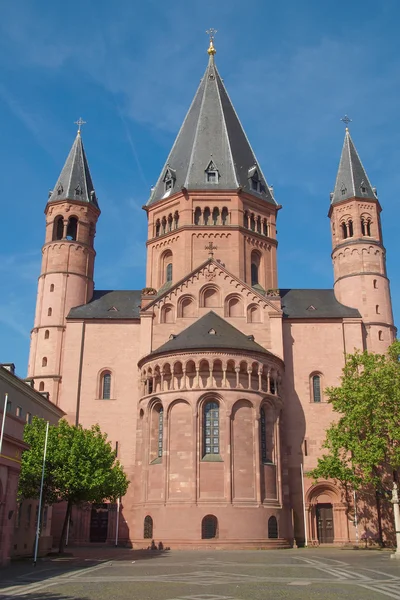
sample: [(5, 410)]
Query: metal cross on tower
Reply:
[(211, 33), (346, 120), (80, 122), (210, 247)]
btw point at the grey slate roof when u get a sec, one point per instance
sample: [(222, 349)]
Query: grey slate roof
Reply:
[(211, 132), (314, 304), (198, 336), (351, 177), (75, 181), (108, 304)]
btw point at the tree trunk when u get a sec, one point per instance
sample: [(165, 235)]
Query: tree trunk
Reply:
[(64, 529), (379, 516)]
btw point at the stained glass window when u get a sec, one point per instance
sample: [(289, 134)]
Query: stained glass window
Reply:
[(263, 437), (211, 428), (160, 432), (148, 528), (316, 384), (106, 391)]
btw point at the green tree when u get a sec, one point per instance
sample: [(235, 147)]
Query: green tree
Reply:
[(80, 467), (363, 445)]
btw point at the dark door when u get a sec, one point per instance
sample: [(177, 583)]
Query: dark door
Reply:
[(325, 523), (99, 523)]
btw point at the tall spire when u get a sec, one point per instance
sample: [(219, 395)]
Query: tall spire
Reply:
[(75, 181), (351, 180), (211, 151)]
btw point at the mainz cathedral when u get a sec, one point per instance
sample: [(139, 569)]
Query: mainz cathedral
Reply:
[(210, 379)]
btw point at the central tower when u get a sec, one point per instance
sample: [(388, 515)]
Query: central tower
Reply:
[(211, 197)]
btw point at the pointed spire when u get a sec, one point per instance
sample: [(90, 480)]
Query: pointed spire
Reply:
[(75, 182), (211, 151), (352, 180)]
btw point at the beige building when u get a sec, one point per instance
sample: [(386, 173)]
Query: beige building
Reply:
[(18, 521)]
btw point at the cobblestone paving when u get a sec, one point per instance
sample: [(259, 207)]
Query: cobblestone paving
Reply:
[(96, 574)]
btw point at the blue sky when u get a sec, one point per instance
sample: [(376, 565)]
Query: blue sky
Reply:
[(130, 69)]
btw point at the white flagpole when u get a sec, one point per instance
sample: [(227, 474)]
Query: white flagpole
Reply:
[(355, 515), (304, 507), (117, 525), (40, 497), (3, 422)]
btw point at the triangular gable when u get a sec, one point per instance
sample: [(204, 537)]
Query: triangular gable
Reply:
[(211, 269)]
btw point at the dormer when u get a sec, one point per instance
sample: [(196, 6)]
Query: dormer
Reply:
[(255, 182), (212, 173), (169, 181)]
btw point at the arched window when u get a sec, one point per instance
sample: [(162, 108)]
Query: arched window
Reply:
[(46, 334), (246, 219), (166, 267), (344, 230), (209, 527), (186, 307), (106, 386), (167, 314), (41, 386), (380, 336), (253, 314), (254, 274), (255, 267), (210, 297), (350, 228), (224, 216), (158, 226), (252, 222), (58, 229), (44, 361), (176, 219), (234, 306), (197, 216), (375, 283), (272, 528), (52, 287), (258, 224), (148, 528), (168, 273), (263, 437), (316, 388), (163, 225), (377, 309), (207, 215), (160, 432), (72, 228), (170, 222), (49, 312), (211, 428), (368, 227), (215, 216), (265, 227)]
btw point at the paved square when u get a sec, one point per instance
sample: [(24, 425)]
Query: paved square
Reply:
[(117, 574)]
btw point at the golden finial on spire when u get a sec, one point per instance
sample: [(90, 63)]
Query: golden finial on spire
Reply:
[(211, 32), (80, 122)]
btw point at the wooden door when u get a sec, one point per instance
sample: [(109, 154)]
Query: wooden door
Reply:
[(324, 515), (99, 523)]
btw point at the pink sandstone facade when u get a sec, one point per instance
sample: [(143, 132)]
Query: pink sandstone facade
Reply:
[(210, 380)]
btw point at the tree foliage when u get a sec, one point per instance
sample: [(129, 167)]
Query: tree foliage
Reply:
[(80, 466), (364, 443)]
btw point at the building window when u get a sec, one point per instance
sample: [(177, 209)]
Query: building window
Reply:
[(246, 219), (263, 437), (28, 418), (49, 312), (148, 528), (265, 227), (254, 185), (41, 386), (206, 216), (224, 216), (197, 216), (272, 528), (44, 361), (211, 428), (58, 229), (375, 283), (212, 177), (72, 228), (18, 412), (52, 287), (158, 225), (350, 228), (168, 273), (377, 309), (254, 274), (316, 388), (252, 222), (164, 225), (46, 334), (160, 432), (380, 336), (176, 219), (8, 406), (170, 220), (209, 527), (344, 230), (106, 386), (215, 216)]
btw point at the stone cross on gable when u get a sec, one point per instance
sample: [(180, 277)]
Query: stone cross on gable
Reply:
[(210, 247)]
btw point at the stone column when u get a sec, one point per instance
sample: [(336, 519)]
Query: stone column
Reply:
[(65, 227), (237, 370), (184, 379), (224, 383), (249, 372), (259, 379), (197, 377)]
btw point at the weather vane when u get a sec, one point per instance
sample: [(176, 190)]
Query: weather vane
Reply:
[(80, 122), (211, 33), (346, 120)]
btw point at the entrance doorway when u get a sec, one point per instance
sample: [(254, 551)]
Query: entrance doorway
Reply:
[(324, 514), (99, 523)]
